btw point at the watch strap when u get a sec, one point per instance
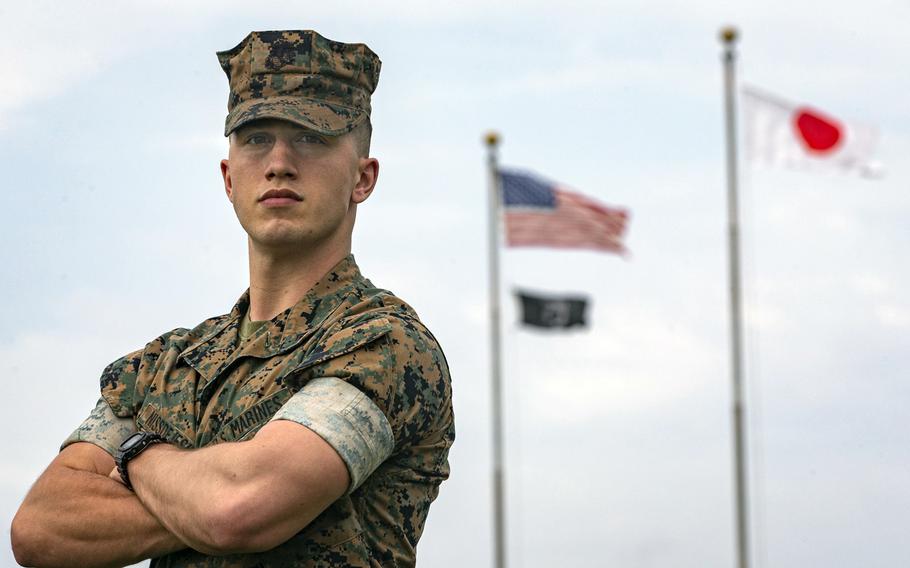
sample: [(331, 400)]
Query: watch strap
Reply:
[(129, 449)]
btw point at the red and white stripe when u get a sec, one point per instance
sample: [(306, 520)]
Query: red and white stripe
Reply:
[(575, 222)]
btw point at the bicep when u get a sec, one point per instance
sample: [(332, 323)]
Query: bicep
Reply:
[(91, 446), (324, 442), (84, 456), (298, 476), (299, 458)]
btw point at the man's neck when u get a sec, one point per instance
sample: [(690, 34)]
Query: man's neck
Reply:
[(278, 281)]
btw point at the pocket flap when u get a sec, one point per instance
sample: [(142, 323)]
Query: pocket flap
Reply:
[(344, 341)]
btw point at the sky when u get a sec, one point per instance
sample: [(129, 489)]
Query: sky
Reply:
[(618, 437)]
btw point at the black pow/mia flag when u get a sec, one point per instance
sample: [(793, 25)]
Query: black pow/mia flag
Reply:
[(552, 311)]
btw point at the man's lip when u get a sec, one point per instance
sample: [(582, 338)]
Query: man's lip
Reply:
[(280, 194)]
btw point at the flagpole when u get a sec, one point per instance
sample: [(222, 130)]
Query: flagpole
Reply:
[(729, 36), (499, 536)]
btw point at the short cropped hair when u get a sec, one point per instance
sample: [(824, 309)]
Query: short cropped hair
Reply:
[(363, 133)]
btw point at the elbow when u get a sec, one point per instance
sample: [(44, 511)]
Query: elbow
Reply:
[(236, 525), (224, 532), (25, 541)]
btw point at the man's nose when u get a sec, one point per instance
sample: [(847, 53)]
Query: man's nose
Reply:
[(281, 161)]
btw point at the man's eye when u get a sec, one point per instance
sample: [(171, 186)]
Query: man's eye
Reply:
[(257, 139), (311, 139)]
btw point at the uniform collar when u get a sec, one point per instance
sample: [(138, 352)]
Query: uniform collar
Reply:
[(218, 349)]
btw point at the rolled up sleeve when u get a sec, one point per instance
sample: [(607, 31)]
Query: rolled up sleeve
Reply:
[(346, 418), (102, 428)]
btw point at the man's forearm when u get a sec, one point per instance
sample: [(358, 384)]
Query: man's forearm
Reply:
[(200, 495), (184, 490), (240, 497), (74, 517)]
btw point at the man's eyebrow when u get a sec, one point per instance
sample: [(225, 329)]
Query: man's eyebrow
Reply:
[(250, 130)]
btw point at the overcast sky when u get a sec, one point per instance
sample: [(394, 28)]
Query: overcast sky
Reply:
[(116, 229)]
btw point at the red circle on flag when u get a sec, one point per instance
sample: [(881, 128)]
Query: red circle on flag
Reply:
[(817, 133)]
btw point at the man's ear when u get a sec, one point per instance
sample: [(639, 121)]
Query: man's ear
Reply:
[(369, 173), (226, 176)]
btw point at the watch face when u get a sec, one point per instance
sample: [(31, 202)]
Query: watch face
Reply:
[(131, 441)]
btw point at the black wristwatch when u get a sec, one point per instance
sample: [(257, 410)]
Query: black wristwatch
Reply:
[(129, 449)]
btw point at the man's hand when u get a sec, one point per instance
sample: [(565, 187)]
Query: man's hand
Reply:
[(115, 475), (75, 515), (234, 497)]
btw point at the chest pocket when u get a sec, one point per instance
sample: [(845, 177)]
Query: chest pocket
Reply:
[(338, 349), (264, 400)]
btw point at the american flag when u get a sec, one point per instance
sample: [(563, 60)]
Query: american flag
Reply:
[(537, 213)]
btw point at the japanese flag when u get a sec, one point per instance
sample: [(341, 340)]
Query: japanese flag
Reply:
[(779, 133)]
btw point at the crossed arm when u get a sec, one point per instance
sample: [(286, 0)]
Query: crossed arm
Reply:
[(234, 497)]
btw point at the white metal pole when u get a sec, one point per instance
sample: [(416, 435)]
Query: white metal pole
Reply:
[(499, 523), (729, 37)]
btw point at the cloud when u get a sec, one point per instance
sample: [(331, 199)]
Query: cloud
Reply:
[(896, 316), (580, 378)]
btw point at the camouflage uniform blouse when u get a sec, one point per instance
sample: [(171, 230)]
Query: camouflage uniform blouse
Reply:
[(204, 386)]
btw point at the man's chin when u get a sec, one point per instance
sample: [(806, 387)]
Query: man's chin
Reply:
[(283, 242)]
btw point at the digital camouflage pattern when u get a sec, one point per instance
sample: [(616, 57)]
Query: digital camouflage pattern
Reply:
[(202, 386), (348, 420), (103, 428), (301, 77)]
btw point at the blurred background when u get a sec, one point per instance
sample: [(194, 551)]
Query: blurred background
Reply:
[(618, 436)]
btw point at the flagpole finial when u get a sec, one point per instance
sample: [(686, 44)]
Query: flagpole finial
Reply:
[(491, 138), (729, 35)]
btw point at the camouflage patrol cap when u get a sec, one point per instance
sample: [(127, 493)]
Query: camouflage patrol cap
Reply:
[(301, 77)]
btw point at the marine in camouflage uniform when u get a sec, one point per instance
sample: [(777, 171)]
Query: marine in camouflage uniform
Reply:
[(349, 361)]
